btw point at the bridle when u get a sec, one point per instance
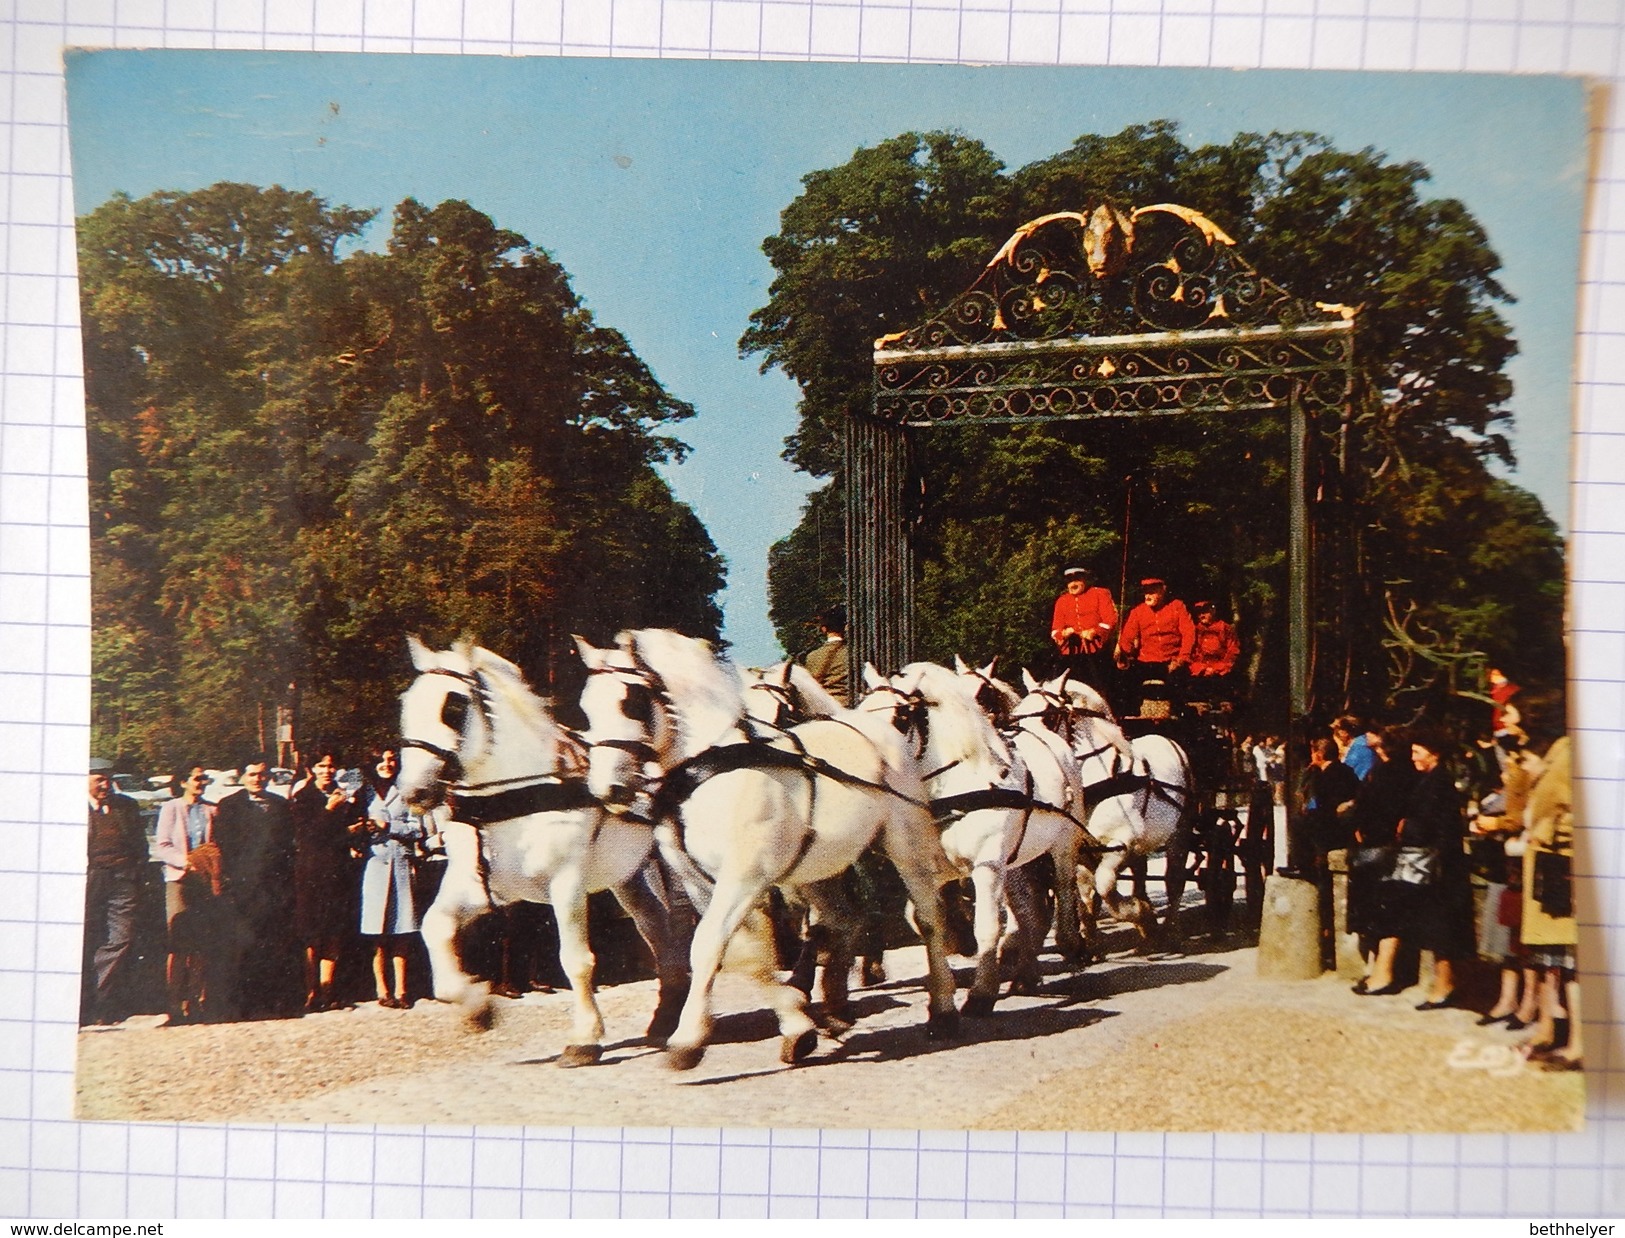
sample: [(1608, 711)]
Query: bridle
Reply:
[(452, 773), (451, 763), (911, 716), (641, 687)]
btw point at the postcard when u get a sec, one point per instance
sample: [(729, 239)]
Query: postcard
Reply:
[(715, 593)]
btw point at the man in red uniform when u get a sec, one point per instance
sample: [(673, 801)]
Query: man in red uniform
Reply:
[(1157, 638), (1082, 626), (1214, 654)]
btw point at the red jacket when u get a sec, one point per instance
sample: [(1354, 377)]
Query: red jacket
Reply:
[(1216, 649), (1090, 614), (1158, 635)]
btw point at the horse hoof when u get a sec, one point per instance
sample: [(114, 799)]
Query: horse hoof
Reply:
[(481, 1018), (976, 1006), (942, 1024), (580, 1055), (793, 1049), (835, 1026), (684, 1057)]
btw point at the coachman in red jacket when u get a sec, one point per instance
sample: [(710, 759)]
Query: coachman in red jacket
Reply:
[(1213, 656), (1081, 628), (1157, 639)]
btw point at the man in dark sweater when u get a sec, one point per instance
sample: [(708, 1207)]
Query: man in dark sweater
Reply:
[(118, 849), (254, 830)]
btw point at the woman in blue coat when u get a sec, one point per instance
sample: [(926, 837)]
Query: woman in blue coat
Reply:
[(394, 835)]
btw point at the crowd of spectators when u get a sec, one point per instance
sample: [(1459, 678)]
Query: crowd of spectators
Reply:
[(1417, 821), (262, 894)]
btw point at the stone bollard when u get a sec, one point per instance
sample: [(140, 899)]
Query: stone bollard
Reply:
[(1289, 937)]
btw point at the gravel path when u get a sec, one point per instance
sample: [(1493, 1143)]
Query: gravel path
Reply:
[(1164, 1042)]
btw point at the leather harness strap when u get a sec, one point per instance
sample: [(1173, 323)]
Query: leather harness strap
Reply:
[(476, 809)]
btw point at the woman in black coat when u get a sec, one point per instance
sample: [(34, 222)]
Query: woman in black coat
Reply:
[(1439, 914), (1378, 809), (326, 825)]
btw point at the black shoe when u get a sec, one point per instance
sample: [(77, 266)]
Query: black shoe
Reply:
[(1361, 988), (1448, 1000), (1490, 1020), (1387, 990)]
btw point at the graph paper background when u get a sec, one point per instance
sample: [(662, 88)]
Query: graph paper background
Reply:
[(51, 1166)]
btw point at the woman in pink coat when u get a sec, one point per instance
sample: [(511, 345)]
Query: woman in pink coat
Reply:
[(184, 840)]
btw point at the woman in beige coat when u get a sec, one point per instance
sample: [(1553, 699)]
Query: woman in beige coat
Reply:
[(1550, 931)]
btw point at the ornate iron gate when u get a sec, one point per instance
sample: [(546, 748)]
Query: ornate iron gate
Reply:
[(1079, 317)]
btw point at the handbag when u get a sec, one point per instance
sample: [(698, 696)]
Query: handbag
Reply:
[(1552, 888), (1372, 862), (1416, 866)]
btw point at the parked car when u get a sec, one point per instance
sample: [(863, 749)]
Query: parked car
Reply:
[(222, 782)]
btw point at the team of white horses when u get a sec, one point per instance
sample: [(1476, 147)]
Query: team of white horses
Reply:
[(730, 782)]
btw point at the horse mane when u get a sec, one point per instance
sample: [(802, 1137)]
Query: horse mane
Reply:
[(702, 688), (959, 728), (507, 681)]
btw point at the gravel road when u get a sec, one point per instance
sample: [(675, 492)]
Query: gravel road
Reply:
[(1168, 1042)]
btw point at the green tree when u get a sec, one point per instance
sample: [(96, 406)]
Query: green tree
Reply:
[(298, 457), (1004, 510)]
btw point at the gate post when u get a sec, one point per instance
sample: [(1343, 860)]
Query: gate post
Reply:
[(1300, 666), (879, 548)]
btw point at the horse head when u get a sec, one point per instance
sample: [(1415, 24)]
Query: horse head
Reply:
[(995, 697), (770, 696), (1045, 704), (620, 703), (445, 722), (953, 728)]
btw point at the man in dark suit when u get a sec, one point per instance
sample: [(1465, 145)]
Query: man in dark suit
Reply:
[(117, 850), (254, 831)]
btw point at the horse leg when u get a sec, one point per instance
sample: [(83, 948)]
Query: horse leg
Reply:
[(731, 902), (454, 907), (912, 858), (988, 878), (1026, 900), (752, 951), (836, 925), (1088, 911), (575, 957), (1131, 910), (667, 930), (1064, 855)]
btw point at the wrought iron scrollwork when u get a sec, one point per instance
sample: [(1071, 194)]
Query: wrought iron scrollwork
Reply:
[(1159, 268), (1115, 377)]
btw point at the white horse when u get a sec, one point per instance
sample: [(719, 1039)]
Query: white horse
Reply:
[(785, 694), (1138, 793), (738, 811), (993, 823), (1057, 787), (525, 830)]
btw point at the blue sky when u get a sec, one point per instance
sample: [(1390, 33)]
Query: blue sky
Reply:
[(653, 182)]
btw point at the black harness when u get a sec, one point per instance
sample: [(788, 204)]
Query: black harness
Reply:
[(478, 808)]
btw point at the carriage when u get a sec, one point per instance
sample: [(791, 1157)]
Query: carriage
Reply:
[(1228, 835)]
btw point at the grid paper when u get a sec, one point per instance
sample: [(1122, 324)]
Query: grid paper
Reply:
[(51, 1166)]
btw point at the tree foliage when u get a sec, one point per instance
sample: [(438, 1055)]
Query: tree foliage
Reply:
[(880, 243), (297, 457)]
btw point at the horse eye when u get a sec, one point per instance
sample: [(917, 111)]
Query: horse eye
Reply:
[(455, 711), (638, 705)]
